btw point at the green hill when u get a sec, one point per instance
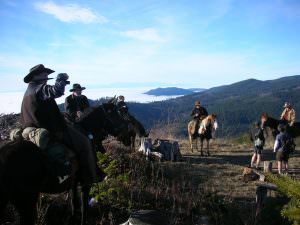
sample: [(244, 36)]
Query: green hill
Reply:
[(237, 105)]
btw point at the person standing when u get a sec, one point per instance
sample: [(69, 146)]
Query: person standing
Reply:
[(258, 140), (283, 145)]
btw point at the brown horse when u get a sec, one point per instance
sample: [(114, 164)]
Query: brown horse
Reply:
[(207, 126), (267, 121)]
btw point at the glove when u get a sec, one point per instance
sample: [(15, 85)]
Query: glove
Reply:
[(62, 76)]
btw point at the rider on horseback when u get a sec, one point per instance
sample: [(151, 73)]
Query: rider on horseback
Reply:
[(288, 115), (40, 110), (122, 107), (198, 114), (76, 103)]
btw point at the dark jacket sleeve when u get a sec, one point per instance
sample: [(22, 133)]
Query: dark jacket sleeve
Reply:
[(46, 91), (69, 108), (85, 102), (261, 135), (193, 112)]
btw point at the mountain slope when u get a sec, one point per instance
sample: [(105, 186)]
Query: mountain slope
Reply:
[(237, 105)]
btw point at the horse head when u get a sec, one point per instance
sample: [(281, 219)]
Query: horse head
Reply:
[(264, 119), (116, 125), (214, 122)]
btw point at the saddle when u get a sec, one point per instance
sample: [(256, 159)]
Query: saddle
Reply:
[(58, 154)]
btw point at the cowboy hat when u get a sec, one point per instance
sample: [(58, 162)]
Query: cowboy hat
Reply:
[(197, 103), (77, 87), (37, 70)]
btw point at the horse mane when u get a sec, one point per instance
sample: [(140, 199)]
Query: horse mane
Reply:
[(138, 127), (210, 116), (87, 112)]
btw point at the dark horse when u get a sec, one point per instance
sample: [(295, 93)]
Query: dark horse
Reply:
[(267, 121), (90, 127), (24, 173), (135, 128)]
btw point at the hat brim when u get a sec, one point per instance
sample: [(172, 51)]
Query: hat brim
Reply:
[(74, 89), (29, 76)]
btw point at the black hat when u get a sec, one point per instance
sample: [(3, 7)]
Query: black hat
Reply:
[(36, 70), (77, 87)]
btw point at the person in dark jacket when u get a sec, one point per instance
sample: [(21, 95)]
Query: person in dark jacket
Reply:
[(76, 103), (198, 114), (258, 139), (281, 148), (122, 107), (40, 110)]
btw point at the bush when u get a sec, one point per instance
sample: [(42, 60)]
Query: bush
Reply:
[(290, 188)]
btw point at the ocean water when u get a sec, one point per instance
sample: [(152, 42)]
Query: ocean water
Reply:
[(10, 102)]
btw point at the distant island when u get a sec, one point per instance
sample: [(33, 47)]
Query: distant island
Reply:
[(169, 91)]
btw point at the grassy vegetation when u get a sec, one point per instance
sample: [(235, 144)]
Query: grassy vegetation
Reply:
[(186, 192)]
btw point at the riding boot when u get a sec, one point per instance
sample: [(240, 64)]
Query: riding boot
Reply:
[(196, 128), (85, 155)]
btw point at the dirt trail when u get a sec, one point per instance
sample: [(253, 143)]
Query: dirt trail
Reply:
[(222, 170)]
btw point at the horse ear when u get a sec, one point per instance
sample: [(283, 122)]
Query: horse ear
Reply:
[(112, 100)]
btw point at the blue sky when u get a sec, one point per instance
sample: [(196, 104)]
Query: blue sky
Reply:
[(109, 43)]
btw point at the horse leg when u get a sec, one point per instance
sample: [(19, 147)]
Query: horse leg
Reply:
[(27, 209), (201, 140), (3, 204), (207, 147), (191, 141), (133, 143), (74, 199), (84, 195)]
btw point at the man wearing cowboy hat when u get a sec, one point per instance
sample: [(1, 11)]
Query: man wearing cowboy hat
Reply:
[(40, 110), (288, 115), (198, 114), (76, 103)]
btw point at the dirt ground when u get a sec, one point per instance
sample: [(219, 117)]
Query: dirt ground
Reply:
[(222, 170)]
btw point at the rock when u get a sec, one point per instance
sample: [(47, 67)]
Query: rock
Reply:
[(249, 175), (147, 217)]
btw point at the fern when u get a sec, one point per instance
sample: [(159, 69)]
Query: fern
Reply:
[(290, 188)]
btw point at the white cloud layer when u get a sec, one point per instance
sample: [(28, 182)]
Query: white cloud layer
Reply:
[(147, 34), (70, 13)]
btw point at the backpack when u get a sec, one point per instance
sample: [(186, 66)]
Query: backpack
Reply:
[(289, 145)]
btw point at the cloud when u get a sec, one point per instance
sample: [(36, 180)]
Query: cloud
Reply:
[(147, 34), (70, 13)]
